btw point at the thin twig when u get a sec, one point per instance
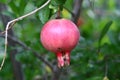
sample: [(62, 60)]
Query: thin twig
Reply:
[(4, 57), (12, 22), (10, 26), (24, 16)]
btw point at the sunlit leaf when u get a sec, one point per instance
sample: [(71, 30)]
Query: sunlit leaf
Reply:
[(105, 78)]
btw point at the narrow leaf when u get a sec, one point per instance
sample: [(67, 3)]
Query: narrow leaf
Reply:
[(14, 7), (22, 6), (104, 31)]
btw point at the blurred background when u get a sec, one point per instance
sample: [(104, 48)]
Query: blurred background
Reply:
[(96, 57)]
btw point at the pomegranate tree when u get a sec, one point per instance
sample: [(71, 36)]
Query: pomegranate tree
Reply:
[(60, 36)]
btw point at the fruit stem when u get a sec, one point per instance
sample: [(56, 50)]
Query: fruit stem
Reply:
[(58, 13)]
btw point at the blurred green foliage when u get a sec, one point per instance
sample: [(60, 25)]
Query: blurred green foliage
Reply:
[(89, 60)]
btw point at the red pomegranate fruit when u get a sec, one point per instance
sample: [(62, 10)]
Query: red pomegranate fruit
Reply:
[(60, 36)]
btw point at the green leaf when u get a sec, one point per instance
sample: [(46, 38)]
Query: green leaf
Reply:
[(104, 31), (14, 7), (95, 78), (58, 2), (38, 3), (22, 6), (44, 14), (8, 13), (68, 4), (4, 1)]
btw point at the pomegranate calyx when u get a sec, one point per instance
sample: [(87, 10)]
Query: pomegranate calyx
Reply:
[(63, 59)]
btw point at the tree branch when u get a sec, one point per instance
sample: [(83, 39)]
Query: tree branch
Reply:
[(76, 10), (16, 65), (16, 41), (12, 22)]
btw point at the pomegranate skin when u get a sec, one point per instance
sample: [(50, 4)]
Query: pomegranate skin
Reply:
[(60, 36)]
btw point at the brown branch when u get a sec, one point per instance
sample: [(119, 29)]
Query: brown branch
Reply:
[(58, 13), (55, 70), (56, 74), (76, 10), (16, 41)]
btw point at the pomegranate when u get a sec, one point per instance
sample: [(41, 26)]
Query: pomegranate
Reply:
[(60, 36)]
